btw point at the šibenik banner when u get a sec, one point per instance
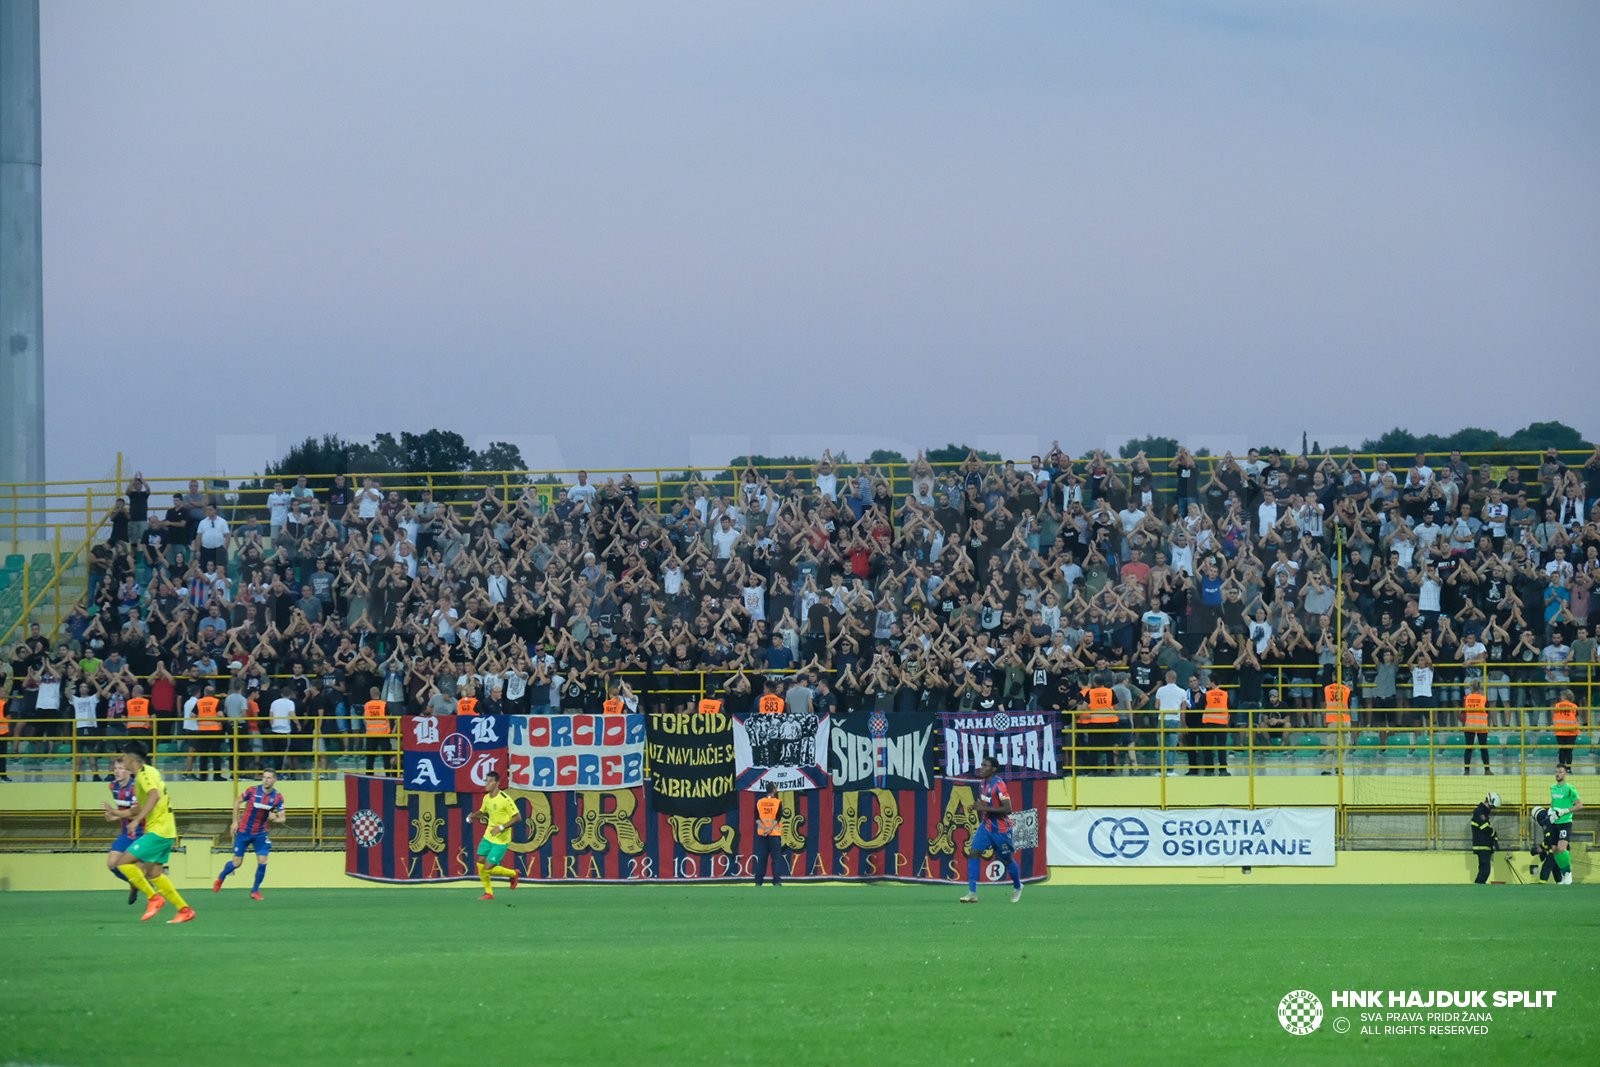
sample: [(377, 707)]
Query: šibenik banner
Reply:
[(1191, 837), (1024, 743), (395, 834), (874, 750)]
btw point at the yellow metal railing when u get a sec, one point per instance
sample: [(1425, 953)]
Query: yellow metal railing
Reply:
[(43, 505)]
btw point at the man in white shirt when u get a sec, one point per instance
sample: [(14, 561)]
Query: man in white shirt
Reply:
[(367, 501), (1171, 699), (1422, 470), (724, 536), (278, 508), (1266, 513), (284, 720), (583, 492), (211, 539), (1429, 533)]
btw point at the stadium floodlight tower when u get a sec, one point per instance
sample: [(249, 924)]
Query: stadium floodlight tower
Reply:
[(21, 261)]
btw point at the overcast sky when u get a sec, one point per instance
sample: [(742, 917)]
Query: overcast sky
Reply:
[(649, 234)]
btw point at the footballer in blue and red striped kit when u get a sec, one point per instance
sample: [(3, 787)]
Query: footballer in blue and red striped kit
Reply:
[(257, 808), (994, 831), (118, 808)]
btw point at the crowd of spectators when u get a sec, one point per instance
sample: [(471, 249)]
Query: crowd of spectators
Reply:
[(982, 585)]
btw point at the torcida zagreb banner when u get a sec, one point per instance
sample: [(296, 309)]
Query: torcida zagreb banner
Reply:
[(395, 834)]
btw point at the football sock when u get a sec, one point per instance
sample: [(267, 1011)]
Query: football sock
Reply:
[(1564, 861), (1015, 870), (503, 872), (136, 878), (165, 887), (972, 873), (261, 874), (118, 872), (483, 876), (228, 869)]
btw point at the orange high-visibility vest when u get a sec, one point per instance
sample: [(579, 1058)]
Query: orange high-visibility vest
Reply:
[(613, 706), (1336, 701), (1476, 716), (1101, 701), (138, 713), (1216, 708), (767, 822), (5, 726), (772, 704), (467, 706), (710, 707), (1564, 716), (205, 709), (376, 712)]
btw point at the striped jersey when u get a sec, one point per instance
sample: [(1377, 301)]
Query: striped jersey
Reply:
[(259, 803), (993, 791), (122, 800)]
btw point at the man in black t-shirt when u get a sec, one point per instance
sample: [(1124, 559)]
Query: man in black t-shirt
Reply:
[(138, 495), (338, 503)]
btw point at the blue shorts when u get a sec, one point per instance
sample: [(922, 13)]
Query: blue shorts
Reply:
[(259, 842), (122, 842), (985, 839)]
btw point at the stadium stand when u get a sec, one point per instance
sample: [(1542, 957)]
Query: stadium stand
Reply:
[(913, 587)]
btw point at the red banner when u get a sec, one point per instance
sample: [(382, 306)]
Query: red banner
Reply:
[(399, 835)]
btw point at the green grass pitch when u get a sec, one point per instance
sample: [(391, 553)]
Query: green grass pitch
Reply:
[(819, 976)]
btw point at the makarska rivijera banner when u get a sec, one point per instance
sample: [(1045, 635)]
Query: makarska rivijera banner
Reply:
[(1024, 742), (455, 753), (399, 835), (691, 763), (874, 750)]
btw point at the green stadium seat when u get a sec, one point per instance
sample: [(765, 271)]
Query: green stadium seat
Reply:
[(14, 563), (5, 580), (43, 561)]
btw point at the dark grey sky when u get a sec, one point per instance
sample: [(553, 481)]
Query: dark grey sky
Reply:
[(644, 234)]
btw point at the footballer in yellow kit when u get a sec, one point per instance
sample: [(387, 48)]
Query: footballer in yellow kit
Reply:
[(149, 853), (498, 814)]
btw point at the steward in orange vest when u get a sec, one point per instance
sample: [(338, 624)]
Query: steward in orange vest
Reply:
[(1102, 701), (771, 702), (205, 710), (1336, 702), (1216, 713), (1564, 717), (710, 706), (1475, 719), (767, 842), (138, 710), (376, 714)]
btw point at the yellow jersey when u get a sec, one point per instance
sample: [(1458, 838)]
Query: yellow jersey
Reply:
[(502, 811), (160, 821)]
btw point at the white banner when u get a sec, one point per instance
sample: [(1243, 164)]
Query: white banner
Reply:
[(1191, 837)]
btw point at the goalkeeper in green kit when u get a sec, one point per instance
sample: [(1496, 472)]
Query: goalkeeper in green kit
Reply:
[(1563, 802)]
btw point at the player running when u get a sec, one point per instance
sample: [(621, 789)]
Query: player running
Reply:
[(1563, 802), (118, 808), (148, 854), (994, 831), (499, 813), (256, 808)]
